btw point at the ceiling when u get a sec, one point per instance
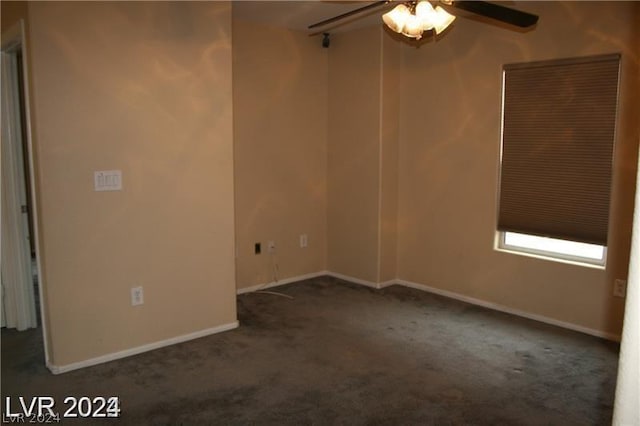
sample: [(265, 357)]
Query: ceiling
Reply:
[(298, 15)]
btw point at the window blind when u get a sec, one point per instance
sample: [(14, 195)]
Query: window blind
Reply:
[(558, 136)]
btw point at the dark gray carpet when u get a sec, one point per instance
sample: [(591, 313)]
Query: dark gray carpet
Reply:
[(347, 355)]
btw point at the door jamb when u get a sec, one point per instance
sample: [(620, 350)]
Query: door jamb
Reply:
[(13, 39)]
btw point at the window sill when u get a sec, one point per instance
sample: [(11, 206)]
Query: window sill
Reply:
[(601, 267)]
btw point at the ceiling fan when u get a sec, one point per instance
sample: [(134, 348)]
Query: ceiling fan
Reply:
[(412, 18)]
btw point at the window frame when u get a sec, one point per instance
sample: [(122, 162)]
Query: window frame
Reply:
[(502, 246), (500, 243)]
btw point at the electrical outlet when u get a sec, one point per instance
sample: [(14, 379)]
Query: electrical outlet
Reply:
[(257, 248), (271, 246), (303, 240), (137, 296), (620, 288)]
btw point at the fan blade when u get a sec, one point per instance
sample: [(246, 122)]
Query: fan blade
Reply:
[(497, 12), (350, 13)]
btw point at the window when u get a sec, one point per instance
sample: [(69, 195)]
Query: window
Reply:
[(558, 131), (553, 247)]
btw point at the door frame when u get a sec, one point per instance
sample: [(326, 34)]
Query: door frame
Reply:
[(14, 39)]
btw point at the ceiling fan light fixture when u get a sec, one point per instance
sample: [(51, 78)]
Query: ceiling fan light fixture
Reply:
[(437, 19), (397, 18), (416, 18), (441, 19)]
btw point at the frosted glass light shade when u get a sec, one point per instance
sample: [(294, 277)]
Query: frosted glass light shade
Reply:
[(441, 19), (402, 19), (397, 18), (413, 27), (423, 9), (424, 12)]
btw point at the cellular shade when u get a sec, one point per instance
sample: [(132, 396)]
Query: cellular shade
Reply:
[(557, 147)]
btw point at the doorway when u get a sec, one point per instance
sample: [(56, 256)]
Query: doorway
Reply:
[(19, 267)]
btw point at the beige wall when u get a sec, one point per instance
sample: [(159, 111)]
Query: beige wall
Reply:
[(391, 69), (450, 134), (315, 152), (145, 88), (280, 150), (12, 11), (362, 146), (354, 154)]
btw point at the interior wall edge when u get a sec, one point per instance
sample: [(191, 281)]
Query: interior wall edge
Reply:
[(625, 409)]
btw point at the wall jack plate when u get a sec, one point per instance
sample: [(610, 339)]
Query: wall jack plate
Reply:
[(107, 180), (620, 288), (137, 296)]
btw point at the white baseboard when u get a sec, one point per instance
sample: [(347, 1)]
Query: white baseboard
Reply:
[(315, 275), (353, 279), (387, 283), (361, 281), (284, 281), (505, 309), (58, 369), (445, 293)]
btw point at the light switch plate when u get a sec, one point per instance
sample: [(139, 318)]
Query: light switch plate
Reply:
[(107, 180), (620, 288)]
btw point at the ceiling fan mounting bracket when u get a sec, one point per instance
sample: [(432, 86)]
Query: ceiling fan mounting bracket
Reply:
[(326, 40)]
